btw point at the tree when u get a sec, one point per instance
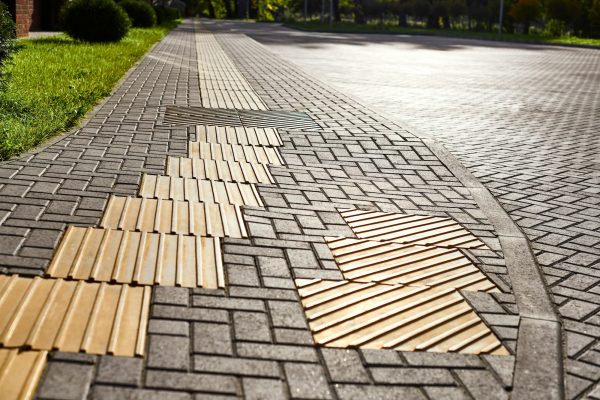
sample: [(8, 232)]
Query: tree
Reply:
[(525, 12), (562, 10)]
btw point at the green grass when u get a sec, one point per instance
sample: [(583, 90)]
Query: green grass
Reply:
[(54, 81), (375, 27)]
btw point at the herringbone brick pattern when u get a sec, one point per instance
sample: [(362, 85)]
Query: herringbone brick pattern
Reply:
[(525, 120), (251, 339)]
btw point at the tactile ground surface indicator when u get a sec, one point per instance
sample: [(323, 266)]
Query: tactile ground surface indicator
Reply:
[(20, 372), (391, 263), (405, 318), (108, 255), (407, 228), (227, 171), (96, 318)]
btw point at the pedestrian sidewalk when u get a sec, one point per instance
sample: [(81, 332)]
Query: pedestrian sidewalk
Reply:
[(225, 225)]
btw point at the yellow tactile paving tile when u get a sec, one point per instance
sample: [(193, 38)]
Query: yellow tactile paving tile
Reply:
[(387, 262), (109, 255), (409, 228), (235, 152), (172, 216), (73, 316), (203, 190), (238, 135), (227, 171), (20, 373), (404, 318)]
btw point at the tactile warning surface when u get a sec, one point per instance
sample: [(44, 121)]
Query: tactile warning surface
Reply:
[(409, 228), (203, 190), (372, 261), (108, 255), (20, 373), (228, 171), (238, 135), (178, 115), (404, 318), (235, 152), (73, 316), (171, 216)]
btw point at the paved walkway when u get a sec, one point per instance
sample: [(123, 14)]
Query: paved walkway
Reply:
[(252, 338)]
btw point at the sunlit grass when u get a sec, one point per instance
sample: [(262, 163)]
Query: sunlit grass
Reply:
[(54, 81)]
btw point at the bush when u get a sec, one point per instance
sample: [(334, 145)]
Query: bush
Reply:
[(166, 14), (7, 41), (141, 13), (95, 20), (554, 28)]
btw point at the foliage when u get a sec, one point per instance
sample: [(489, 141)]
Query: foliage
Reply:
[(95, 20), (554, 28), (525, 12), (141, 14), (7, 41), (70, 77), (165, 14)]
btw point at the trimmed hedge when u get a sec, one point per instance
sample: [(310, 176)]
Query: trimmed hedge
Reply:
[(142, 14), (95, 20)]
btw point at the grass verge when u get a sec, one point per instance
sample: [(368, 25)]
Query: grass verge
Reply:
[(54, 81), (350, 27)]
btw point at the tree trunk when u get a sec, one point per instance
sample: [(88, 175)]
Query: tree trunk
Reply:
[(211, 9), (336, 11), (359, 15), (446, 20), (402, 20), (432, 22)]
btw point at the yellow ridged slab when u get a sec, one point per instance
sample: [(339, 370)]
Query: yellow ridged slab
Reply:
[(387, 262), (143, 258), (172, 216), (20, 373), (238, 135), (199, 190), (410, 229), (227, 171), (235, 152), (73, 316), (399, 317)]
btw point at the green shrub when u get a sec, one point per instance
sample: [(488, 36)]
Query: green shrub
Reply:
[(95, 20), (165, 14), (141, 13), (7, 41), (554, 28)]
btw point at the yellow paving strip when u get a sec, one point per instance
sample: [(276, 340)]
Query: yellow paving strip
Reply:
[(203, 190), (238, 135), (20, 372), (73, 316), (372, 261), (171, 216), (227, 171), (235, 152), (399, 317), (408, 228), (143, 258)]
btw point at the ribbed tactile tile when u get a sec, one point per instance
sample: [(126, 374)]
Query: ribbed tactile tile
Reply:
[(372, 261), (171, 216), (227, 171), (109, 255), (203, 190), (290, 120), (20, 373), (73, 316), (403, 318), (409, 228), (235, 152), (238, 135)]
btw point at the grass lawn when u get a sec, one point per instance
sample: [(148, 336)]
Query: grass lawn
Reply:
[(372, 27), (54, 81)]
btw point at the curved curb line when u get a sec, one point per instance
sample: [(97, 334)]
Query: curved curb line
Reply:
[(538, 372)]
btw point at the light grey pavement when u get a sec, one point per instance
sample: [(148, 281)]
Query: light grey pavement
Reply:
[(524, 119)]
